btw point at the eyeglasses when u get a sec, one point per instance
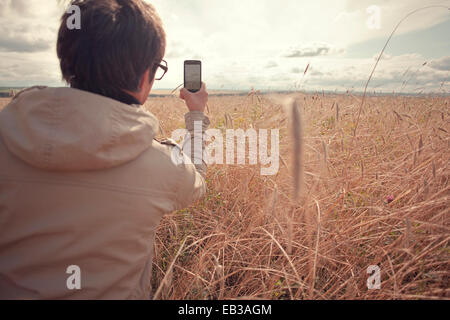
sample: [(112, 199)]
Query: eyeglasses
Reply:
[(162, 70)]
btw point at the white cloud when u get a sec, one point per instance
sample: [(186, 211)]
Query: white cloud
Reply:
[(241, 43), (441, 64), (237, 39), (354, 16), (271, 64), (384, 56), (27, 26), (390, 75), (314, 49), (25, 38), (176, 49), (28, 31)]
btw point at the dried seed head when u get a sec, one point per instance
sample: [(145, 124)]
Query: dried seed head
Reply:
[(337, 112), (434, 169), (298, 147), (362, 168), (407, 232), (420, 145)]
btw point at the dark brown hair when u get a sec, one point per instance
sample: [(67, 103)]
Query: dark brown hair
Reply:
[(118, 41)]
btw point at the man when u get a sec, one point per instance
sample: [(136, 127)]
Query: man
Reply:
[(83, 183)]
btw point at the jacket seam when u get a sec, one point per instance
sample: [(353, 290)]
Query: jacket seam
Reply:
[(89, 185), (54, 121), (115, 124)]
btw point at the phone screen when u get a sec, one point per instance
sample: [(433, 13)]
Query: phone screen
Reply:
[(192, 76)]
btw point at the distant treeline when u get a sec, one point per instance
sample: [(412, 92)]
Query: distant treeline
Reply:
[(5, 92)]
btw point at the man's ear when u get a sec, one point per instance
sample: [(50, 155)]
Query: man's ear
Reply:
[(145, 78)]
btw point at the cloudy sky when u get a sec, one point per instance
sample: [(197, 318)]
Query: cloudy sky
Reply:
[(265, 44)]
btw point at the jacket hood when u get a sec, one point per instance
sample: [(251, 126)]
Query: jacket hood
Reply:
[(65, 129)]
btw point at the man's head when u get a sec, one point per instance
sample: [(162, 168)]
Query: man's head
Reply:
[(118, 48)]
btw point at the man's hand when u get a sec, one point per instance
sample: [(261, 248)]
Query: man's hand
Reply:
[(195, 101)]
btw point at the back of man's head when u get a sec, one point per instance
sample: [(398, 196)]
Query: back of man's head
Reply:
[(117, 42)]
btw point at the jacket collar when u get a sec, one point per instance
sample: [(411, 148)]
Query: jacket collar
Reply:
[(127, 99)]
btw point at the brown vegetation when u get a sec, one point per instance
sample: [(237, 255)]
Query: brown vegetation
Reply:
[(381, 198)]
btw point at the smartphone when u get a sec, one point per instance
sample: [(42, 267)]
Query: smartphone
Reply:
[(193, 75)]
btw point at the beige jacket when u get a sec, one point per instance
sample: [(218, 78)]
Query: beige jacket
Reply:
[(83, 183)]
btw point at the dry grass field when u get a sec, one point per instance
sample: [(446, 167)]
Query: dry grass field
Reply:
[(380, 198)]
